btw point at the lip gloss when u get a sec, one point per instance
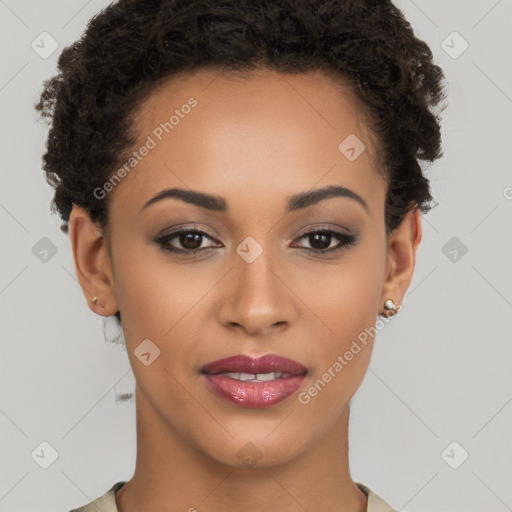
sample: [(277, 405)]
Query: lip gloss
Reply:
[(253, 394)]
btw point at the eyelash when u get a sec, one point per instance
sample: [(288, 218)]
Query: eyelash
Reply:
[(346, 241)]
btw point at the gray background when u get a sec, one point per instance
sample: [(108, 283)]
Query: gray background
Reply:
[(440, 371)]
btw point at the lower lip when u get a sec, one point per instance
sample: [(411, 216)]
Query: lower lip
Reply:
[(253, 394)]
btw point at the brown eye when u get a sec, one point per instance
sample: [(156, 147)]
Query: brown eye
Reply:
[(320, 241), (188, 241)]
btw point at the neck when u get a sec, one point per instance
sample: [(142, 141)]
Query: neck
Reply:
[(173, 475)]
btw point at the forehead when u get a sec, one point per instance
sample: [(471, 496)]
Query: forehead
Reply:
[(262, 133)]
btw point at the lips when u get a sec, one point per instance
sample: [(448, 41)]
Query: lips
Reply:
[(254, 382), (264, 364)]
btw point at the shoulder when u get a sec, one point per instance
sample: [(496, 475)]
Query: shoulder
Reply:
[(375, 502), (105, 503)]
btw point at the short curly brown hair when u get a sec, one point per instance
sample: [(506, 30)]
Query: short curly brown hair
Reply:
[(104, 76)]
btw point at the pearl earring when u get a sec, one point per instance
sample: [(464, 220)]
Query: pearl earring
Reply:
[(391, 308)]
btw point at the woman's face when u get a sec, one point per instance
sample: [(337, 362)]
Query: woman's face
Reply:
[(258, 282)]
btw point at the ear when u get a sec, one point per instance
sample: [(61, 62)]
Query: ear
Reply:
[(92, 262), (401, 259)]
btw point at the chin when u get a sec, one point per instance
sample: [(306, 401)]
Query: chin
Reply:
[(256, 450)]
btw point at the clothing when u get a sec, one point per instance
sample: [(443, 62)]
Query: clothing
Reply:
[(107, 502)]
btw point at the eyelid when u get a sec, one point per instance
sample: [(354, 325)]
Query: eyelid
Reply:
[(342, 230), (186, 228)]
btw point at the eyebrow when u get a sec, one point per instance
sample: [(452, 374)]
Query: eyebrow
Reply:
[(219, 204)]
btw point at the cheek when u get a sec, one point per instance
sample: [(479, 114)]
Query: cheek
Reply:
[(343, 306), (341, 357), (160, 301), (345, 297), (153, 294), (157, 304)]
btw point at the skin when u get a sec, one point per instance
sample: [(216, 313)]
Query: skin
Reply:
[(253, 140)]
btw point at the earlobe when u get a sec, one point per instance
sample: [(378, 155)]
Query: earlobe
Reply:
[(403, 245), (92, 262)]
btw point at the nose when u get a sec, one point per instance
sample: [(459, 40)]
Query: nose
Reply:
[(256, 300)]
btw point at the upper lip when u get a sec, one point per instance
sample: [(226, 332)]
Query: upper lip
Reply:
[(246, 364)]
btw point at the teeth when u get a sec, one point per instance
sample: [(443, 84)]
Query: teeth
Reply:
[(268, 376), (255, 377)]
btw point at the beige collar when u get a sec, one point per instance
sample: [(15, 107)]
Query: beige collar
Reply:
[(107, 502)]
